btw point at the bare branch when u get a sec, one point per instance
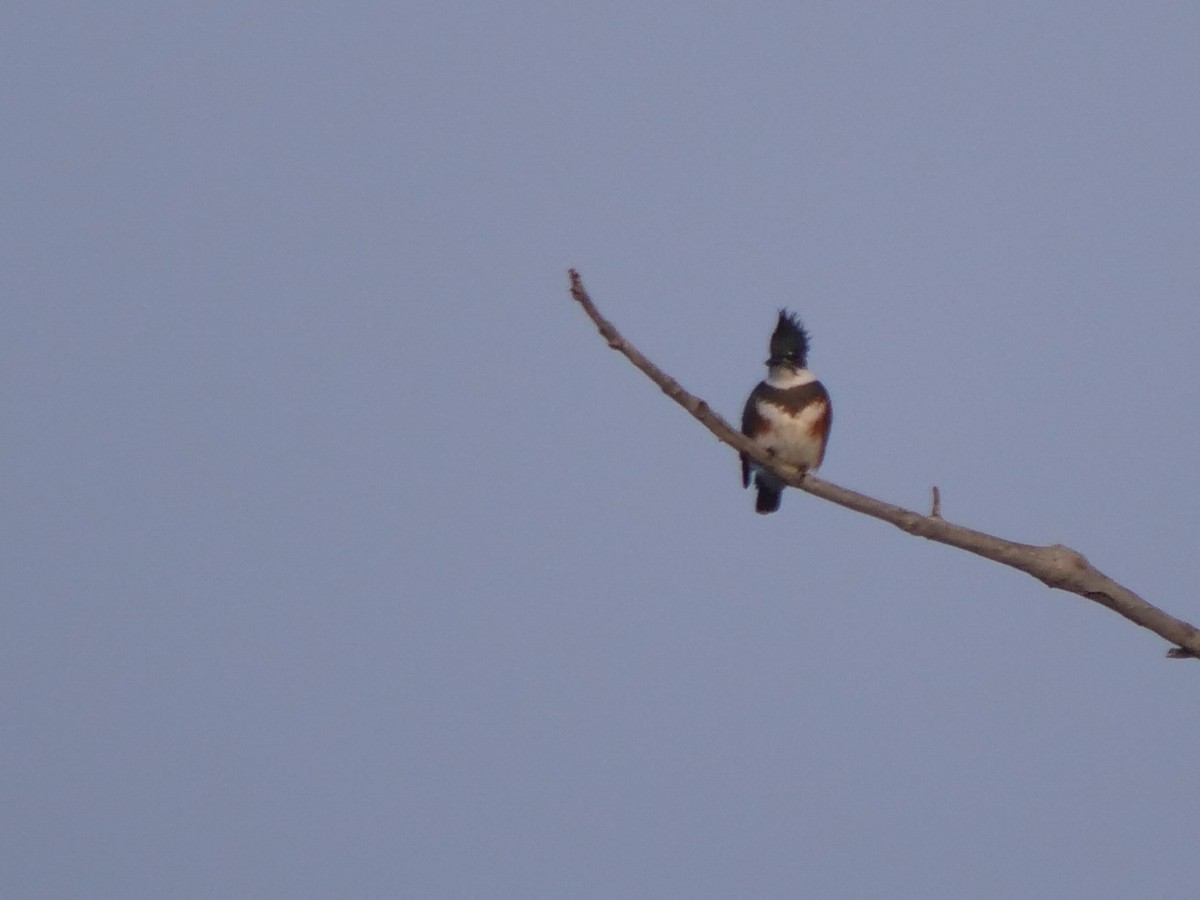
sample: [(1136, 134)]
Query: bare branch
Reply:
[(1055, 565)]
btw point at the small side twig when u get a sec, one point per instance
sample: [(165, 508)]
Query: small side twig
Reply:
[(935, 510), (1055, 565)]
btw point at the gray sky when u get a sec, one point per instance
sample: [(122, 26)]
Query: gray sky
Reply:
[(340, 557)]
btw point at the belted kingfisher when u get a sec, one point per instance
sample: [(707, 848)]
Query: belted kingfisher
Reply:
[(788, 415)]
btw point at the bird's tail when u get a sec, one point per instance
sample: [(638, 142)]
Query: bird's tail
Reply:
[(768, 499)]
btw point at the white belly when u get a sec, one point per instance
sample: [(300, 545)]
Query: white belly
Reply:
[(793, 439)]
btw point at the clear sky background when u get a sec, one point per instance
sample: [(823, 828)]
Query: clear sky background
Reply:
[(341, 558)]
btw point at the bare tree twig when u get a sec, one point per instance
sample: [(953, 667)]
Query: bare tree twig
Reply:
[(1055, 565)]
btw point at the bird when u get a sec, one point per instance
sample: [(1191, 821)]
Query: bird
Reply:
[(788, 414)]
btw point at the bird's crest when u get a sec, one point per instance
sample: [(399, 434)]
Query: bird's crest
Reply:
[(789, 343)]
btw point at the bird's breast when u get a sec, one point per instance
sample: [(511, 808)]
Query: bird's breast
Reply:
[(796, 437)]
